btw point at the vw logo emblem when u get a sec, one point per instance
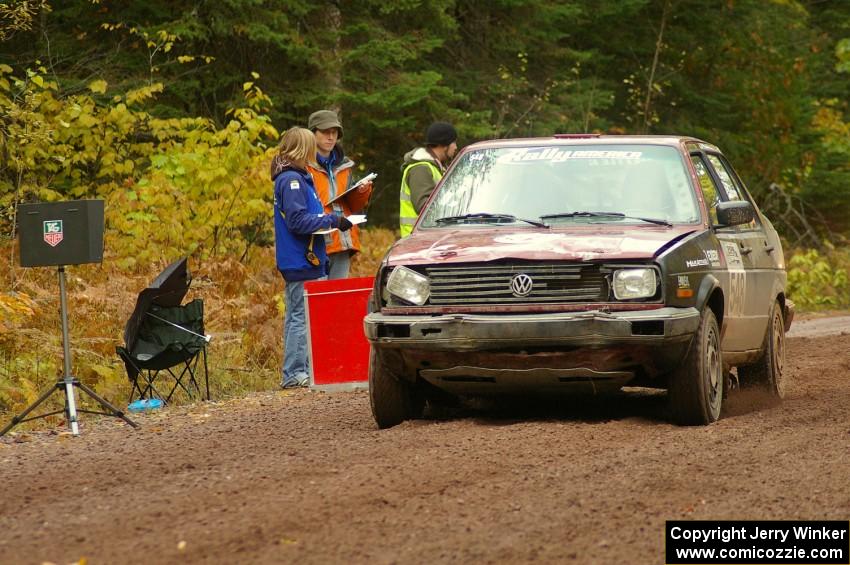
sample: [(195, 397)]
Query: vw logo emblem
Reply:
[(521, 285)]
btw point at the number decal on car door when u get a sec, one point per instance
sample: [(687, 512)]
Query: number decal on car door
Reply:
[(737, 278)]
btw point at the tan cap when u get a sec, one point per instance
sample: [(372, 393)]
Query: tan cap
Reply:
[(324, 119)]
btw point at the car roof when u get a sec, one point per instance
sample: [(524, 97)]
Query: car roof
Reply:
[(590, 139)]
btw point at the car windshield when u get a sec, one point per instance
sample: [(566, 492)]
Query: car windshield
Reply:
[(566, 184)]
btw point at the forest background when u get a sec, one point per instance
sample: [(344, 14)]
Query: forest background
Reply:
[(169, 109)]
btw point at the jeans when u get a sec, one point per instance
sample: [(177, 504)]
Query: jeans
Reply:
[(340, 263), (296, 360)]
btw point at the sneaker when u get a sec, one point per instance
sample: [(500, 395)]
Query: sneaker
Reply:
[(296, 383)]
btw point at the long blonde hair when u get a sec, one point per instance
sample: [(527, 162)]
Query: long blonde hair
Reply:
[(298, 146)]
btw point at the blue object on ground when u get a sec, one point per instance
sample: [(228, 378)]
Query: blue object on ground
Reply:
[(145, 404)]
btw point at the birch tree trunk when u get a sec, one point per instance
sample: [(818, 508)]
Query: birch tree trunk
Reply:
[(647, 106), (333, 63)]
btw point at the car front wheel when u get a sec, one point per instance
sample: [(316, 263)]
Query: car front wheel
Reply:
[(696, 388), (393, 400)]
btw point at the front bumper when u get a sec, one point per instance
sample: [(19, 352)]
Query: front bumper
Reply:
[(589, 351), (471, 332)]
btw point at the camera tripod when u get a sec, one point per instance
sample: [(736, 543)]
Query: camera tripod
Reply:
[(67, 383)]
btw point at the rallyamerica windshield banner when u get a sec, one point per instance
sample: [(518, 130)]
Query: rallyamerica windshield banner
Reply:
[(757, 542)]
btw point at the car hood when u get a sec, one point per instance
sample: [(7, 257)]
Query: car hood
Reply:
[(584, 243)]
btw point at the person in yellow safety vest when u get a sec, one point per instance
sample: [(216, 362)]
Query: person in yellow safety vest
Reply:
[(332, 176), (422, 169)]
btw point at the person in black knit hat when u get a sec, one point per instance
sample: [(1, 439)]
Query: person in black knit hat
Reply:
[(422, 169)]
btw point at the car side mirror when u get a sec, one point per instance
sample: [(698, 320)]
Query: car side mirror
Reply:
[(735, 213)]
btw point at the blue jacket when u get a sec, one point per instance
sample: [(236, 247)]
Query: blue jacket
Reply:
[(298, 212)]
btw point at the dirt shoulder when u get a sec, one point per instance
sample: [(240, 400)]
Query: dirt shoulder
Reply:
[(820, 324), (307, 478)]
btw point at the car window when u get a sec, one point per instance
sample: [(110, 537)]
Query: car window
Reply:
[(734, 191), (648, 181), (709, 190), (729, 186)]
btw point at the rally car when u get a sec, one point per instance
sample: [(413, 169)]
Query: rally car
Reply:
[(581, 262)]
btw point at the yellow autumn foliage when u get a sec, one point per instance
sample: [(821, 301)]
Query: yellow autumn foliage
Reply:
[(16, 308), (172, 188)]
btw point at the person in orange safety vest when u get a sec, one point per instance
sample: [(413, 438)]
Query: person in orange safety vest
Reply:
[(332, 177)]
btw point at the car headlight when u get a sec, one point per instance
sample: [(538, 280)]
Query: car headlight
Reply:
[(634, 283), (409, 285)]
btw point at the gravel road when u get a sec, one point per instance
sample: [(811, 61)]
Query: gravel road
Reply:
[(305, 477)]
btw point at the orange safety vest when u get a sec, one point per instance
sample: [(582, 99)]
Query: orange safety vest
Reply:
[(353, 203)]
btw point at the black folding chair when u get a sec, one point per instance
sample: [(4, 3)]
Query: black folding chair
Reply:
[(167, 340), (170, 340)]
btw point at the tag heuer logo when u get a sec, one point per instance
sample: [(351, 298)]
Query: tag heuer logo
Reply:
[(53, 232)]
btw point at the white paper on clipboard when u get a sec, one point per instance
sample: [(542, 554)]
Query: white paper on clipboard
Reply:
[(356, 185), (354, 219)]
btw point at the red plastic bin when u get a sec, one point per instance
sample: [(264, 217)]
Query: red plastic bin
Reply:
[(339, 351)]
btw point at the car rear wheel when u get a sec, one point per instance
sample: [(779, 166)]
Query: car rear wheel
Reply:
[(768, 372), (393, 400), (696, 388)]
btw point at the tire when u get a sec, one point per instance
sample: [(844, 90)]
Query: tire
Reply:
[(393, 400), (768, 371), (696, 388)]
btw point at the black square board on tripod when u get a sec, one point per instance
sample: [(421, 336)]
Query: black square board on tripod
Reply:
[(61, 233), (55, 234)]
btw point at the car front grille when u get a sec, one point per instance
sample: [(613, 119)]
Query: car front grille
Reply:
[(491, 283)]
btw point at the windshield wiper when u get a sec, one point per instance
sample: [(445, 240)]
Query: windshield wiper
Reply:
[(658, 221), (489, 216)]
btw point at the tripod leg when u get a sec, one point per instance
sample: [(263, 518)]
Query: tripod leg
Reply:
[(115, 411), (20, 417), (71, 407)]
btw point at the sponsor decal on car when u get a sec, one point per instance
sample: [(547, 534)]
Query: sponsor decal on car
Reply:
[(713, 257), (556, 155), (691, 263)]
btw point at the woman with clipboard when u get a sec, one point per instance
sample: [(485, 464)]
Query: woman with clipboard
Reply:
[(332, 179), (299, 253)]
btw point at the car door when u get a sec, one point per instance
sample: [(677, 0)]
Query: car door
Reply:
[(753, 242), (735, 246)]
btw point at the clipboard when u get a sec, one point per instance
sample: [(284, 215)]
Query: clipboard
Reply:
[(354, 186)]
